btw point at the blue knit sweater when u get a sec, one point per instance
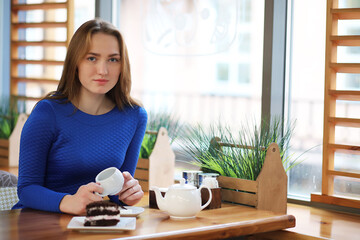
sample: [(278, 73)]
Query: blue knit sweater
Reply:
[(62, 149)]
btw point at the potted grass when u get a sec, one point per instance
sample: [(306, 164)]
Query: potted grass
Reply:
[(10, 110), (252, 162), (232, 161), (155, 122)]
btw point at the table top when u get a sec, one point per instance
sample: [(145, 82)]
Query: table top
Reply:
[(228, 221)]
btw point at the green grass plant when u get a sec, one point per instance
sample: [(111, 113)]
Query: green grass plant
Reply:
[(9, 112), (155, 122), (244, 163)]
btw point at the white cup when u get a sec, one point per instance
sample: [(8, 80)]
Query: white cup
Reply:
[(111, 180), (210, 182)]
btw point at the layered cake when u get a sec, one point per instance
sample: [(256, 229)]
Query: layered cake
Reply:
[(102, 213)]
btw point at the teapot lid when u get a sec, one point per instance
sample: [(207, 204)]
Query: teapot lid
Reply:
[(183, 186)]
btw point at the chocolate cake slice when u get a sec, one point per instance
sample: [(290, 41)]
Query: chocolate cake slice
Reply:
[(102, 213)]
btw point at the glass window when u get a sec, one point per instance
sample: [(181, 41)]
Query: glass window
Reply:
[(84, 11), (222, 72), (197, 59), (349, 4), (348, 54), (244, 73), (306, 94), (348, 81)]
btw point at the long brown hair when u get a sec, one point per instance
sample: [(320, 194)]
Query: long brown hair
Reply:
[(69, 85)]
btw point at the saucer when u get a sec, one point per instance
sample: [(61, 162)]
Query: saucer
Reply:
[(125, 223), (131, 211), (181, 218)]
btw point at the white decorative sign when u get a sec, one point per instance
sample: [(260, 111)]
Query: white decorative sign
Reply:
[(190, 27)]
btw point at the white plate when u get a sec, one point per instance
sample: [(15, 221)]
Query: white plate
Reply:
[(126, 223), (131, 211)]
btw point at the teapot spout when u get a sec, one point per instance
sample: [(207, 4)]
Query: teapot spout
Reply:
[(160, 200)]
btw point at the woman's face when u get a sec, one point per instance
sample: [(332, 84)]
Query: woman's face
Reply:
[(99, 70)]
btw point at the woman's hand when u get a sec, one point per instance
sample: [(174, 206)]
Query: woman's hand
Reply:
[(76, 204), (131, 192)]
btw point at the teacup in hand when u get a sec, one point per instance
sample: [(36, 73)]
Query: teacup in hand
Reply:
[(111, 179)]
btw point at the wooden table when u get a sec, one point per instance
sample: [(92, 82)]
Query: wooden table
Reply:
[(228, 221)]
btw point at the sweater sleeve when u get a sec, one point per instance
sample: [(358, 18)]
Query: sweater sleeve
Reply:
[(132, 153), (37, 137)]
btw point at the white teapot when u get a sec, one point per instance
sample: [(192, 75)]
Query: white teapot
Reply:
[(181, 200)]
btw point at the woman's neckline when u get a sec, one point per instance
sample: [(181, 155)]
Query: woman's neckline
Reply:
[(106, 106), (89, 114)]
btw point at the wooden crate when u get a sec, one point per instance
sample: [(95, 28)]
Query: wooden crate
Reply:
[(142, 173), (10, 148), (4, 152), (268, 192)]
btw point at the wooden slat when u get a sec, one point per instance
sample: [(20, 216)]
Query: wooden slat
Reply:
[(353, 40), (329, 102), (239, 197), (144, 185), (224, 144), (4, 152), (37, 80), (346, 67), (40, 25), (335, 200), (344, 174), (345, 95), (27, 98), (143, 163), (70, 6), (142, 174), (4, 161), (12, 170), (40, 62), (345, 148), (346, 13), (345, 122), (40, 6), (237, 183), (151, 132), (39, 43), (4, 143)]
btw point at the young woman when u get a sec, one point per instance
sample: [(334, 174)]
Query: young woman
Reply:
[(90, 123)]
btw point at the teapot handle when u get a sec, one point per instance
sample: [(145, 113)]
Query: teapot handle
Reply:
[(210, 196)]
